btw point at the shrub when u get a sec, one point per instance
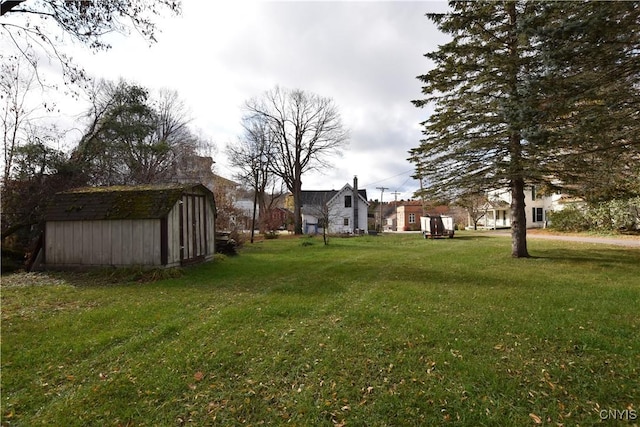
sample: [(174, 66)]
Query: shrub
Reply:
[(570, 218), (238, 238), (606, 216), (615, 215), (11, 261), (273, 234)]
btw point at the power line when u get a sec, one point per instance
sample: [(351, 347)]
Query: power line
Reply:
[(395, 193), (381, 196), (382, 191), (386, 179)]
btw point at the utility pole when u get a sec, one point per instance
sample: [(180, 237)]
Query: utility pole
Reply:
[(381, 195), (395, 193)]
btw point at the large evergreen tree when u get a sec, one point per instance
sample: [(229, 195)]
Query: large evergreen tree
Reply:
[(590, 99), (531, 93), (475, 140)]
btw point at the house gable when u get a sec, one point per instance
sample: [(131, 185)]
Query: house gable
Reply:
[(341, 216)]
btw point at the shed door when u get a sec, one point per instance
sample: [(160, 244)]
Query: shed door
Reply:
[(193, 230), (437, 226)]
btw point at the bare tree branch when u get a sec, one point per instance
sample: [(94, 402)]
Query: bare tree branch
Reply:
[(86, 22), (306, 128)]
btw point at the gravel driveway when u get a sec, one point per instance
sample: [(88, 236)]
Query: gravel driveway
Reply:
[(628, 241)]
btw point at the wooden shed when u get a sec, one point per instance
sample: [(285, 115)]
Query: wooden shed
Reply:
[(150, 226)]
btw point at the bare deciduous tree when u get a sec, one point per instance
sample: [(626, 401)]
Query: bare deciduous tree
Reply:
[(252, 155), (132, 138), (475, 204), (17, 115), (27, 25), (306, 128)]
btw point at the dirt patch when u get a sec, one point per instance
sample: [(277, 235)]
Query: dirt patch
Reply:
[(23, 279)]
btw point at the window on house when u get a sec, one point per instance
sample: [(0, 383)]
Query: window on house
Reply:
[(412, 218), (347, 201), (533, 192), (537, 214), (346, 222)]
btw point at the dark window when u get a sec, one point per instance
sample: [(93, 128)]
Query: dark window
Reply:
[(538, 215), (346, 221), (347, 201)]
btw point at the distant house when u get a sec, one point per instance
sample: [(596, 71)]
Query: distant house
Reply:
[(498, 209), (280, 218), (408, 216), (147, 226), (341, 211), (404, 215)]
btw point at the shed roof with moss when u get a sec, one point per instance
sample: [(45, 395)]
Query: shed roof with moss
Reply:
[(118, 202)]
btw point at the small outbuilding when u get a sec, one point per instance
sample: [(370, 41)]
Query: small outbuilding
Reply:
[(150, 226)]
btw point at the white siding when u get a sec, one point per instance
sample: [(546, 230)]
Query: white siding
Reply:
[(545, 203)]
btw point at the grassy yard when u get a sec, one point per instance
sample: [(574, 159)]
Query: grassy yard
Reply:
[(391, 330)]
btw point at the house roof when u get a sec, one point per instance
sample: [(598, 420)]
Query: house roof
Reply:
[(496, 204), (313, 197), (224, 182), (320, 197), (117, 202)]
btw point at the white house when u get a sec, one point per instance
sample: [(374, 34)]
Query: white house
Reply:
[(498, 209), (343, 211)]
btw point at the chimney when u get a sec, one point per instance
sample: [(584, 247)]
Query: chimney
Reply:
[(355, 204)]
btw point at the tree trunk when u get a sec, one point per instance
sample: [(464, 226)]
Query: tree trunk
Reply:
[(518, 213), (264, 212), (253, 217), (518, 220), (297, 208)]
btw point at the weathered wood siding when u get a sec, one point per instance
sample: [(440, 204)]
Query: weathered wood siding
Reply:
[(182, 235), (191, 232), (103, 243), (173, 234), (210, 227)]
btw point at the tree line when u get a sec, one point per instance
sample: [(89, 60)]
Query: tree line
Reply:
[(130, 135), (532, 93)]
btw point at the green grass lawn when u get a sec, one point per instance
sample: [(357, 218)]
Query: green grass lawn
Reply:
[(370, 331)]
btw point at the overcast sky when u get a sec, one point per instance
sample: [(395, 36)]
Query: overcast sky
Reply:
[(363, 55)]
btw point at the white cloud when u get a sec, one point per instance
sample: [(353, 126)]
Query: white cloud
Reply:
[(364, 55)]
